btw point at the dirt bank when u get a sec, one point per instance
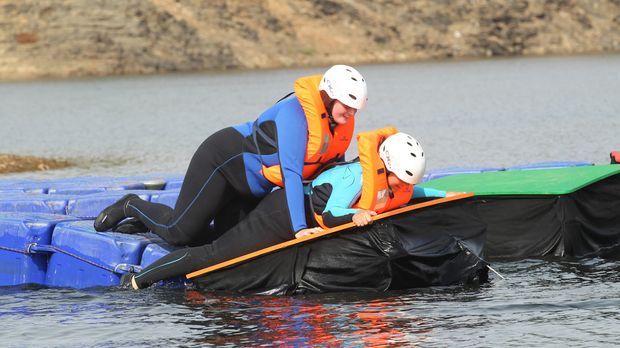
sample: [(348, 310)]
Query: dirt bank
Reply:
[(14, 164), (68, 38)]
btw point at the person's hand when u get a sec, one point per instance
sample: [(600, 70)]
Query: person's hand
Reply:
[(451, 194), (363, 217), (308, 231)]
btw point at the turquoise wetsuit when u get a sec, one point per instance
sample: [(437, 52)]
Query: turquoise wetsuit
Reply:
[(334, 192)]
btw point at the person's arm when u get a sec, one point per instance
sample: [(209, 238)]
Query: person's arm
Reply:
[(342, 187), (422, 192), (292, 138), (338, 215)]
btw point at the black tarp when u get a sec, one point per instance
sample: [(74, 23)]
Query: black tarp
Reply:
[(584, 223), (434, 246), (439, 245)]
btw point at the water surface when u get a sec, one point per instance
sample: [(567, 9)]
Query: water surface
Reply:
[(477, 113), (490, 113)]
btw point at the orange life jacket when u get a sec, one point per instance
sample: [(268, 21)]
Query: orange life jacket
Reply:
[(322, 147), (376, 193)]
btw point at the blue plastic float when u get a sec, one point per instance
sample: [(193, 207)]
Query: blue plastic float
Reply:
[(550, 165), (34, 203), (154, 252), (22, 235), (42, 241), (174, 184), (89, 206), (440, 173), (81, 257), (168, 197)]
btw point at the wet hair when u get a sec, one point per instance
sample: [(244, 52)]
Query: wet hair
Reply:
[(328, 103)]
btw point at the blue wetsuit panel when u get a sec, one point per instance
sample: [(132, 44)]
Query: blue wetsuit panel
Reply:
[(291, 139), (420, 192), (346, 185)]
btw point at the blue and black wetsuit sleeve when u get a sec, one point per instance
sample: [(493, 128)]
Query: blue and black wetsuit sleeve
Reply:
[(334, 192), (421, 192), (292, 137), (333, 209)]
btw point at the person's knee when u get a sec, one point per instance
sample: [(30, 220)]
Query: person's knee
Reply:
[(178, 237)]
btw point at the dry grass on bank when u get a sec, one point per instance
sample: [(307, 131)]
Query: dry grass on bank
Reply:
[(14, 164)]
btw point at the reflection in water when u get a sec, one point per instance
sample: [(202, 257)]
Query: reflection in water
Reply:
[(308, 320), (542, 302)]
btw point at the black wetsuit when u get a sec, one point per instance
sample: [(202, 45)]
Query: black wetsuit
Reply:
[(212, 190), (224, 177), (224, 183), (266, 225)]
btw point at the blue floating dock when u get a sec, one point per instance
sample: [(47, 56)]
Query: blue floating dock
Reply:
[(89, 184), (43, 186), (34, 203), (155, 182), (43, 239), (79, 187), (24, 188), (433, 174), (89, 206), (168, 197), (154, 252), (84, 258), (550, 165), (21, 234), (174, 184)]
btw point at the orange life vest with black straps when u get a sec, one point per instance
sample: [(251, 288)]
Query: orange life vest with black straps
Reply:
[(376, 194), (322, 147)]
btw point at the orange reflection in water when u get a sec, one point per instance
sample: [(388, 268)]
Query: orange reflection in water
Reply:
[(379, 327), (293, 321)]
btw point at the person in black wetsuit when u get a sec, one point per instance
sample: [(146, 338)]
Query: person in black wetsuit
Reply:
[(237, 166)]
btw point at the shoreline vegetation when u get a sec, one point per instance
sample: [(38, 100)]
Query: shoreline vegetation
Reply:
[(16, 164), (53, 39)]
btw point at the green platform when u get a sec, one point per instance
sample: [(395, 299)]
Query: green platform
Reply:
[(525, 182)]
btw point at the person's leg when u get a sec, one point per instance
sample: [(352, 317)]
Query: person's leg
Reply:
[(204, 192), (265, 226), (229, 216), (186, 224), (130, 226)]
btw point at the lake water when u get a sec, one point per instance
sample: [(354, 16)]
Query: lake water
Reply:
[(477, 113)]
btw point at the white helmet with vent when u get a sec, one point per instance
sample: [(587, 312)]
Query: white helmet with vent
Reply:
[(403, 156), (345, 84)]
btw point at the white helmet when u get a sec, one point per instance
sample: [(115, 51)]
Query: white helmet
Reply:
[(346, 84), (403, 156)]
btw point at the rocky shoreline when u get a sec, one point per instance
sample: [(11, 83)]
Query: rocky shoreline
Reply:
[(65, 39), (75, 38), (15, 164)]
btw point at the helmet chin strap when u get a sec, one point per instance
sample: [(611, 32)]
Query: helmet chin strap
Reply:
[(330, 108), (390, 189), (332, 122)]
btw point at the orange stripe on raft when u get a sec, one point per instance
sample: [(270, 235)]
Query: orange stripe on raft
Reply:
[(321, 234)]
